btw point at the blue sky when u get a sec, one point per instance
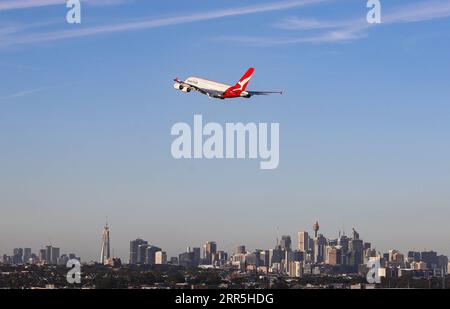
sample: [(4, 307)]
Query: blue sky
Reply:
[(86, 113)]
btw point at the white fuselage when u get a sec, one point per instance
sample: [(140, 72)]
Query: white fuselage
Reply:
[(207, 84)]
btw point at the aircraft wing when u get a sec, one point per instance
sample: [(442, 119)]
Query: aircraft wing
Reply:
[(251, 93)]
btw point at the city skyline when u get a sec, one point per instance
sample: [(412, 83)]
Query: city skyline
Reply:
[(294, 243), (348, 257)]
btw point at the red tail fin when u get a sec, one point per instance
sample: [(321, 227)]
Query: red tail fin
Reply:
[(243, 82)]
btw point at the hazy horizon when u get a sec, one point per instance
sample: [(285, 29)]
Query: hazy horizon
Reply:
[(120, 246)]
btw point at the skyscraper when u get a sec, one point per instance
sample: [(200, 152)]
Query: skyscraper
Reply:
[(303, 241), (343, 242), (286, 242), (333, 255), (320, 243), (396, 258), (48, 254), (414, 256), (264, 256), (355, 251), (160, 257), (209, 249), (240, 249), (42, 255), (355, 234), (51, 255), (18, 256), (185, 259), (26, 255), (430, 257), (134, 248), (151, 255), (277, 255), (142, 253), (105, 251), (55, 256), (195, 256)]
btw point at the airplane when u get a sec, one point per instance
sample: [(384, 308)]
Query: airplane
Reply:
[(218, 90)]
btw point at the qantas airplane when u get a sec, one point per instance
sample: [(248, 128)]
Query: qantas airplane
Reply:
[(218, 90)]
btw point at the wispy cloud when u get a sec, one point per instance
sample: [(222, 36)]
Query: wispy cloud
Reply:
[(29, 91), (24, 93), (326, 31), (156, 22), (296, 23), (25, 4), (322, 31), (18, 66), (28, 4), (417, 12)]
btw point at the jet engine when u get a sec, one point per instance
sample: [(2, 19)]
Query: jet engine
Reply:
[(182, 87)]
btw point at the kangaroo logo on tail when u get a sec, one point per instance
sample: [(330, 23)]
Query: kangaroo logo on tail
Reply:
[(243, 82)]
